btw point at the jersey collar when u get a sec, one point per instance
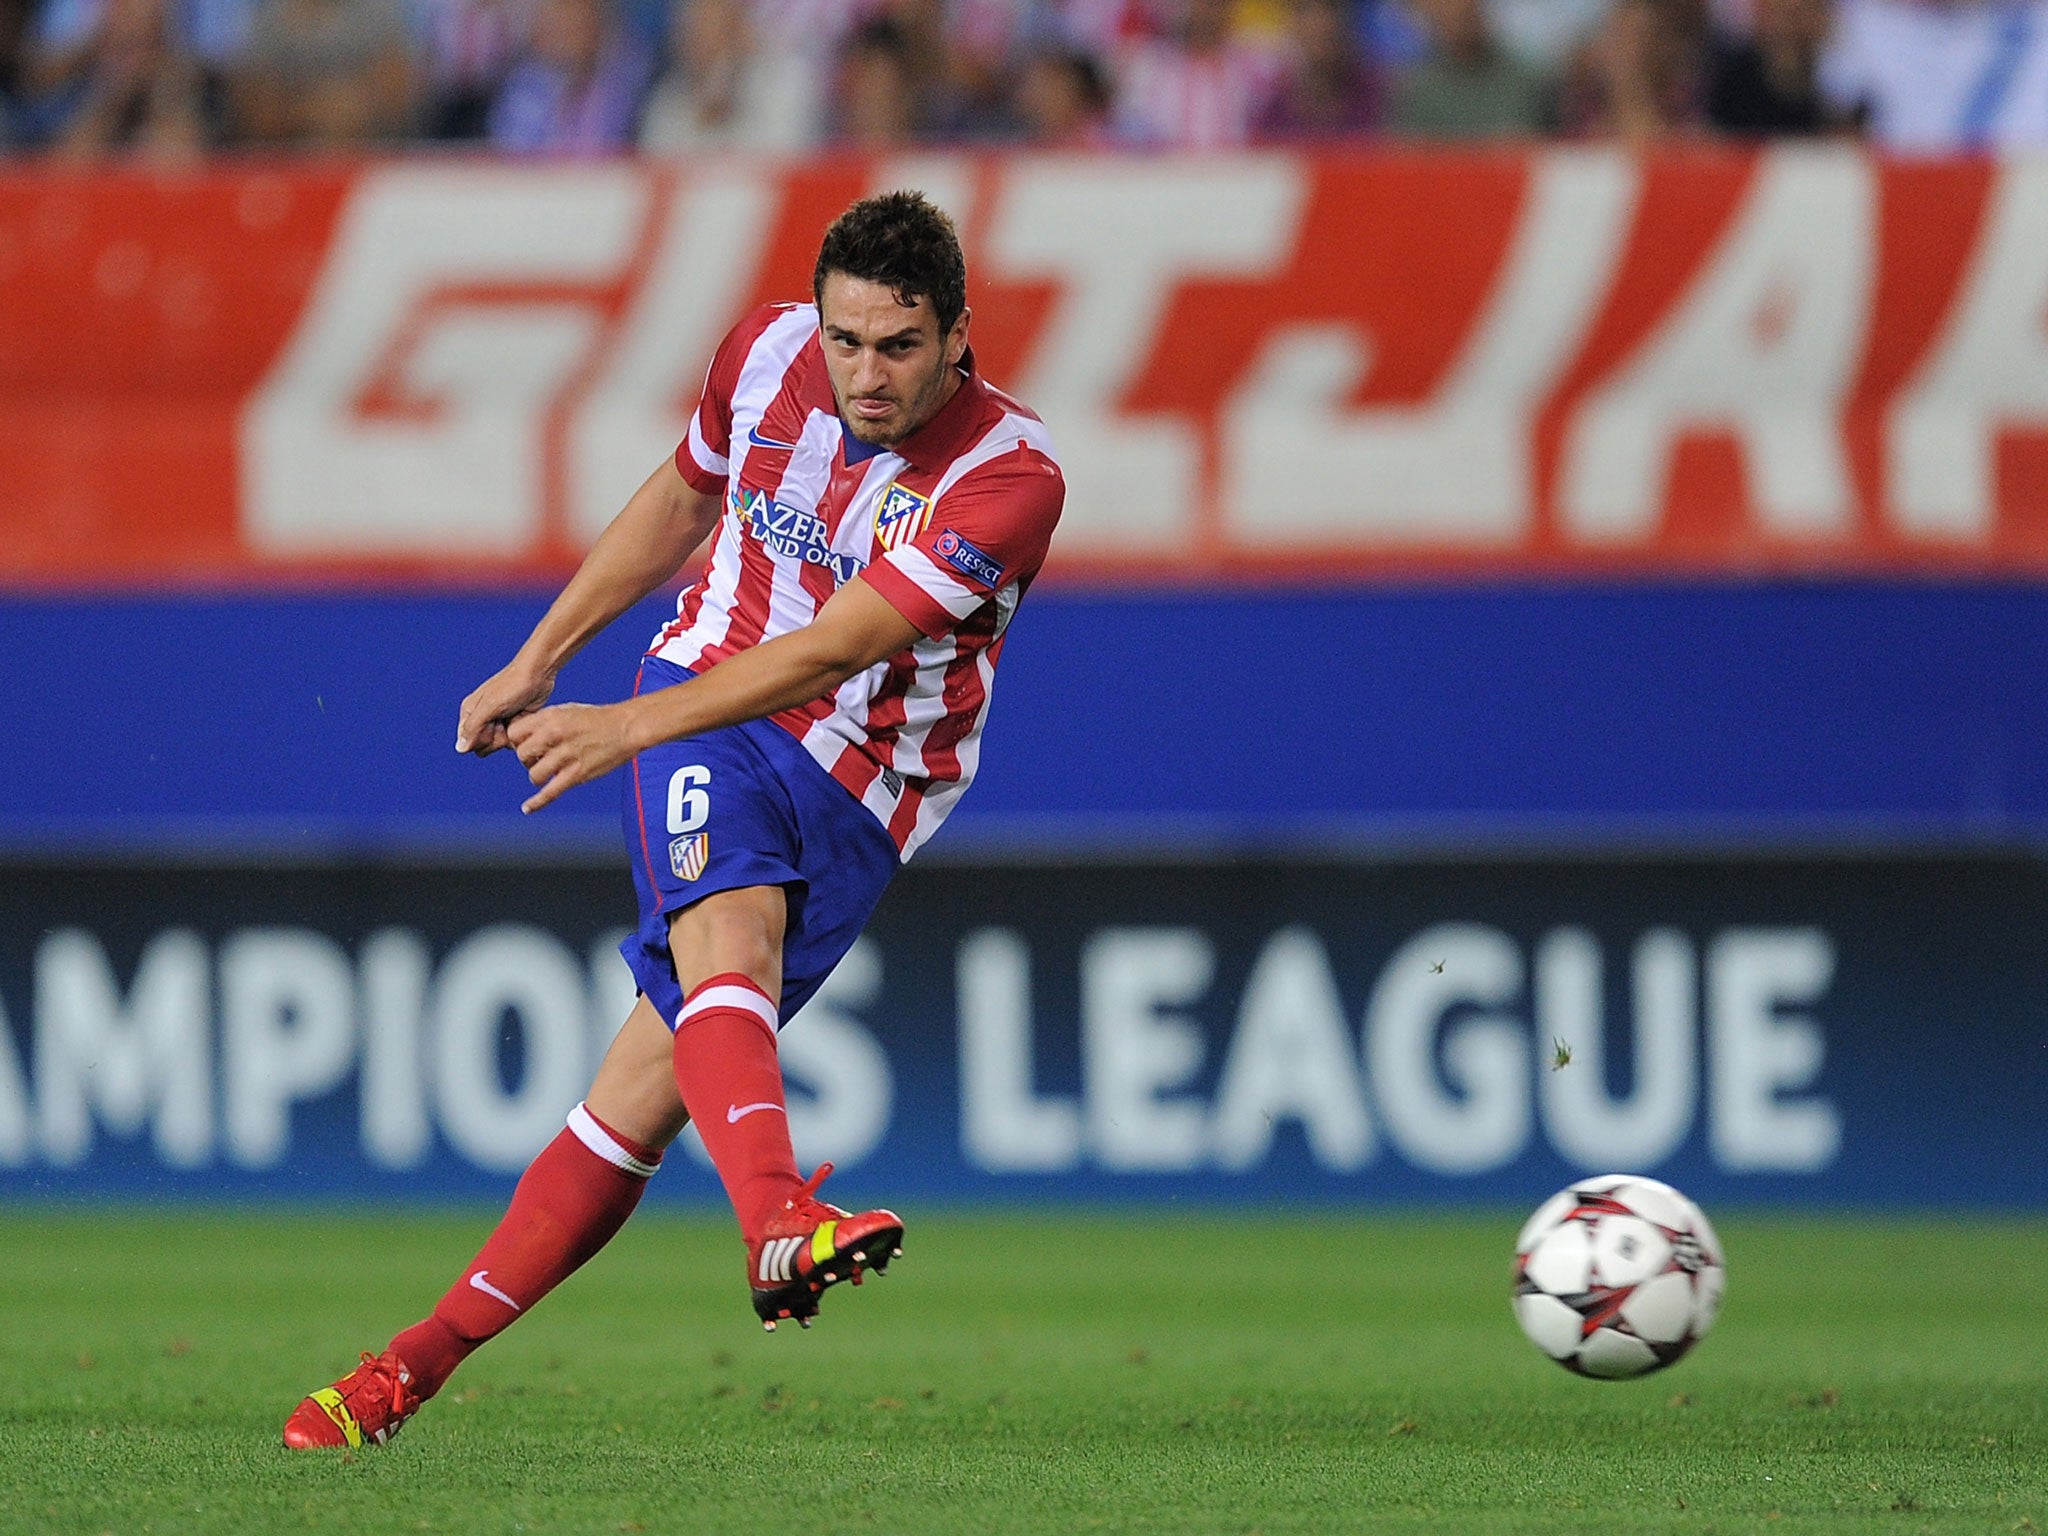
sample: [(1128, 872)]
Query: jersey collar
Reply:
[(939, 441)]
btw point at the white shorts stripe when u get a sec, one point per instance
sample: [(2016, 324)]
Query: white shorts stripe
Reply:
[(595, 1137), (731, 995)]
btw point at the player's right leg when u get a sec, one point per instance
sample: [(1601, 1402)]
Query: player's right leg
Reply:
[(728, 951), (755, 871), (571, 1201)]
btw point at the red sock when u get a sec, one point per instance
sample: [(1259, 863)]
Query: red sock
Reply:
[(731, 1081), (570, 1202)]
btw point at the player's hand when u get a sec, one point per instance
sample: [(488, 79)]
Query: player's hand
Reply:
[(503, 698), (569, 744)]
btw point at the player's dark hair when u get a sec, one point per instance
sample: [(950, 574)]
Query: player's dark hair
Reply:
[(904, 241)]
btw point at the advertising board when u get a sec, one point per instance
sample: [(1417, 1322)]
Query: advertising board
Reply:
[(1515, 359), (1855, 1031)]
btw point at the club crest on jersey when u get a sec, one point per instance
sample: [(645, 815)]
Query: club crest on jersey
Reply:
[(687, 856), (791, 532), (901, 517), (968, 560)]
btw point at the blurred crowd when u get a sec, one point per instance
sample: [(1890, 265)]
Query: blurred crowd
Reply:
[(172, 79)]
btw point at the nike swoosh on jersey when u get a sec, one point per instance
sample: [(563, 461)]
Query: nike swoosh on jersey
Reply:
[(478, 1282), (754, 436), (740, 1112)]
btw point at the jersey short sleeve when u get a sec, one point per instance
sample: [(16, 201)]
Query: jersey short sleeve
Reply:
[(703, 458), (987, 532)]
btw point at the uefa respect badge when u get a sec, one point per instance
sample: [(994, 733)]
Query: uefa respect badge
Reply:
[(968, 560)]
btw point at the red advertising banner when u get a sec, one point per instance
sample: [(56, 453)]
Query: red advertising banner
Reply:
[(1563, 360)]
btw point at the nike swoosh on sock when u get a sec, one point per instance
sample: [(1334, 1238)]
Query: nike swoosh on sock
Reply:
[(478, 1282)]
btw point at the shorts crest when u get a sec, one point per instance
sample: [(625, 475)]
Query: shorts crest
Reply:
[(687, 856)]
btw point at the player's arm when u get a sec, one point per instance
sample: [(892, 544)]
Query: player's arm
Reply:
[(571, 744), (643, 547)]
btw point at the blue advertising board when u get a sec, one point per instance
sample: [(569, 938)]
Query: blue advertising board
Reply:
[(1562, 715), (1850, 1031)]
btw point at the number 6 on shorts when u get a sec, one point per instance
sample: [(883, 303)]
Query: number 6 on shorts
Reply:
[(689, 807)]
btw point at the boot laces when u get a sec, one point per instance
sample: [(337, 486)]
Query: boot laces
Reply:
[(806, 1197), (372, 1374)]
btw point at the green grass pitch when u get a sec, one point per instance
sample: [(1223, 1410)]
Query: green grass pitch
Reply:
[(1042, 1373)]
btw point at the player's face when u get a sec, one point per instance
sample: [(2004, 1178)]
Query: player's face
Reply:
[(891, 370)]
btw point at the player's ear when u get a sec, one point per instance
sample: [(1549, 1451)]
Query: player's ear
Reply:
[(956, 339)]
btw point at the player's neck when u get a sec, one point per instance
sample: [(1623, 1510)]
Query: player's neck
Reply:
[(949, 386)]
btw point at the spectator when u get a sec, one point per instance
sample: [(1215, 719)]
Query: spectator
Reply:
[(469, 46), (876, 74), (1468, 87), (1064, 101), (723, 90), (1770, 83), (13, 34), (1100, 28), (950, 99), (1547, 34), (1941, 75), (325, 73), (579, 86), (66, 53), (974, 92), (215, 32), (1198, 87), (137, 90), (1641, 79), (1328, 90)]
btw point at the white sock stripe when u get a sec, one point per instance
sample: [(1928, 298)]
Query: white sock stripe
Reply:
[(595, 1137), (730, 995)]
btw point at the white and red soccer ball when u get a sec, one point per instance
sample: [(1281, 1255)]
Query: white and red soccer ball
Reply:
[(1617, 1276)]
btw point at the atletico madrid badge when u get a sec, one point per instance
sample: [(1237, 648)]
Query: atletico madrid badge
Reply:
[(687, 856), (901, 517)]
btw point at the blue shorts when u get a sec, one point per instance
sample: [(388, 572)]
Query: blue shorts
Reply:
[(747, 806)]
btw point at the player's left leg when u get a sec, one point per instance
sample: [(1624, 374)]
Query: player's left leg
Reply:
[(571, 1201)]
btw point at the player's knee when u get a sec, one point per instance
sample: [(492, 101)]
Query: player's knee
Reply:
[(735, 931)]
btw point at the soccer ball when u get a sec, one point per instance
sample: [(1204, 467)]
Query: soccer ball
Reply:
[(1617, 1276)]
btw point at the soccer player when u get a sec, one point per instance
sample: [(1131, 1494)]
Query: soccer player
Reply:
[(805, 722)]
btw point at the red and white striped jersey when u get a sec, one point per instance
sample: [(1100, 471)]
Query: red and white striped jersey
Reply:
[(950, 526)]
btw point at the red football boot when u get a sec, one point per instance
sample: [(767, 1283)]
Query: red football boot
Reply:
[(366, 1407), (809, 1245)]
